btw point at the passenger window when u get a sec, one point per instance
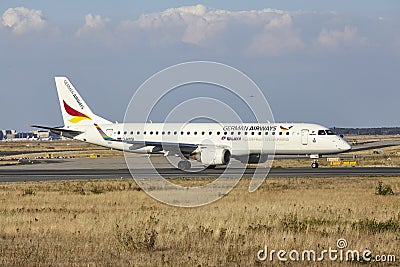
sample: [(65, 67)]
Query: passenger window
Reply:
[(203, 133), (287, 133), (245, 133), (266, 133), (144, 132), (125, 132), (137, 132), (225, 133), (175, 133), (169, 132), (280, 133), (252, 133), (163, 133), (210, 133), (151, 132), (131, 132), (238, 133), (188, 133), (232, 133), (157, 133), (218, 133), (273, 133), (195, 133), (259, 133), (119, 132), (182, 133)]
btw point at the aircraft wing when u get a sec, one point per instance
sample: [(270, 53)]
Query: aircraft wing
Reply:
[(60, 131), (184, 148)]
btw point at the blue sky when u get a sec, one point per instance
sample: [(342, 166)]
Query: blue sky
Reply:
[(330, 62)]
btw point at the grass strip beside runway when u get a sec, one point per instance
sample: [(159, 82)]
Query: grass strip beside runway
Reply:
[(113, 222)]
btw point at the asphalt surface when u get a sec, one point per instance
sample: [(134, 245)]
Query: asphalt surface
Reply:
[(12, 175), (116, 168)]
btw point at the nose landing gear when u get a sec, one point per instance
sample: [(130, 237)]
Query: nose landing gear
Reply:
[(314, 165), (315, 158)]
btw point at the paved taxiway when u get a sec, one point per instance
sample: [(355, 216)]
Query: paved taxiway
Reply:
[(115, 168)]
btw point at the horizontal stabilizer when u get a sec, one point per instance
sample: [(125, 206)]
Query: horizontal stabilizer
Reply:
[(60, 131)]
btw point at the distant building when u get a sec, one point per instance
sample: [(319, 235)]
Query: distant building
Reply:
[(25, 136), (41, 134), (368, 131), (33, 135), (8, 134)]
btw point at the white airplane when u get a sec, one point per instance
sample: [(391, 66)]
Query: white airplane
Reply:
[(211, 144)]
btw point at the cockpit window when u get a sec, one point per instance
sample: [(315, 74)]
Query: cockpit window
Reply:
[(326, 132)]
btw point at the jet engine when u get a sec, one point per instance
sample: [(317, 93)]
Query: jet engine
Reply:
[(214, 156)]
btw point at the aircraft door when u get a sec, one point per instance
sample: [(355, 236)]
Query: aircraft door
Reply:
[(304, 136), (109, 132)]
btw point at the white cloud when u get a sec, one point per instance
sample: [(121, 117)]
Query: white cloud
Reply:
[(335, 38), (92, 23), (22, 20), (259, 33), (204, 26), (278, 36)]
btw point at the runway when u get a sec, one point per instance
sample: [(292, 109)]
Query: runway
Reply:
[(10, 175)]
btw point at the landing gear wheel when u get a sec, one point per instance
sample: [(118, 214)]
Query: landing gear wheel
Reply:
[(184, 165), (314, 165)]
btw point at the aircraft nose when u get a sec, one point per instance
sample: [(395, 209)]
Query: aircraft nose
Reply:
[(345, 146)]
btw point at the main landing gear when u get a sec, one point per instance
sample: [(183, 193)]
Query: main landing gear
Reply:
[(184, 165)]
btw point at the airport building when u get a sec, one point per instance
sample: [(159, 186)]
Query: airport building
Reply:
[(13, 135), (8, 134)]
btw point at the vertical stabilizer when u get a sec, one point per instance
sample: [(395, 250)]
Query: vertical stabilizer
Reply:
[(73, 108)]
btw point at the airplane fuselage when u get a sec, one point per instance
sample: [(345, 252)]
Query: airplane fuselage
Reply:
[(241, 139), (210, 143)]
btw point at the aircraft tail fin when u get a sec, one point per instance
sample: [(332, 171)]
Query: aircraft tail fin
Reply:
[(73, 108)]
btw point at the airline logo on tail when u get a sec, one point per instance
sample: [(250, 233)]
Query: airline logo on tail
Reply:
[(76, 115)]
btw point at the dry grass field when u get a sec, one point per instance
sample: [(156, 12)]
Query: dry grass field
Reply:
[(114, 223)]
